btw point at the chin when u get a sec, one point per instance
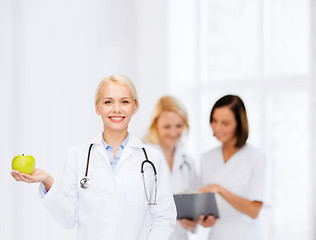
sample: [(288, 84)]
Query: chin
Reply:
[(116, 128), (172, 143), (220, 140)]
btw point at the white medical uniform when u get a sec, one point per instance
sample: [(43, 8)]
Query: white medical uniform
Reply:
[(183, 179), (245, 174), (114, 206)]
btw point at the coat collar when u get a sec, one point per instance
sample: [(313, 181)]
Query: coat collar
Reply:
[(179, 156), (133, 141)]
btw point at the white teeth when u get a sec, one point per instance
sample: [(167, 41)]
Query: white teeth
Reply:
[(116, 118)]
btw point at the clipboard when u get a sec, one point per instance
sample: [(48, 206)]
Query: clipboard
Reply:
[(192, 205)]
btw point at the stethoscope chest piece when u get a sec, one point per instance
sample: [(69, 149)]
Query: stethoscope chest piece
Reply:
[(84, 182)]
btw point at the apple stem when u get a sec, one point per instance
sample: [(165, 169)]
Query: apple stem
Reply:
[(23, 154)]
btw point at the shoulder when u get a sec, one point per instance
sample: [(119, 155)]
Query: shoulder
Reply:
[(155, 156), (152, 149), (250, 151), (253, 154), (138, 145), (96, 140), (154, 146), (212, 152), (181, 153), (79, 149), (211, 157)]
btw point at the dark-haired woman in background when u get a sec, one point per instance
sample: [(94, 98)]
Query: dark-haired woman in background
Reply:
[(236, 172)]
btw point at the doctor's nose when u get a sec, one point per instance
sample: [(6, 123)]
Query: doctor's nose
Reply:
[(215, 127), (174, 132), (116, 107)]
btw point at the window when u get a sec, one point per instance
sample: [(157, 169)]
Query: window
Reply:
[(259, 50)]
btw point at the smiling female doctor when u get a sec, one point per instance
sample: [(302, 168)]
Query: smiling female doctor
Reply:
[(117, 203), (169, 120)]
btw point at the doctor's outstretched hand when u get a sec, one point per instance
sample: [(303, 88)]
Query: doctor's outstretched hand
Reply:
[(38, 175)]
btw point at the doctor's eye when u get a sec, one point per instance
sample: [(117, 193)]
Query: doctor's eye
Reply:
[(166, 126), (108, 102), (226, 123), (125, 101)]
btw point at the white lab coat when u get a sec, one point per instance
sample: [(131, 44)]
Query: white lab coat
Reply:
[(183, 179), (114, 205), (246, 174)]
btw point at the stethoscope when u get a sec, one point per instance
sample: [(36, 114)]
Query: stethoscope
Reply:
[(85, 181), (185, 163)]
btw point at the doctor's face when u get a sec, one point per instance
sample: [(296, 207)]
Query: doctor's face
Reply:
[(116, 106), (170, 126), (224, 125)]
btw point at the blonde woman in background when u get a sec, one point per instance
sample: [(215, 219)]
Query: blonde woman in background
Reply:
[(168, 122)]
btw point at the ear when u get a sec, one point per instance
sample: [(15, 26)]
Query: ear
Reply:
[(135, 107), (97, 108)]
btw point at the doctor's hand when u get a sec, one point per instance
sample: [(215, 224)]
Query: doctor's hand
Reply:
[(38, 175), (208, 221), (211, 188), (188, 224)]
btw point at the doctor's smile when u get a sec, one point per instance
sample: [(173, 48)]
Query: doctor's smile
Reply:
[(117, 119)]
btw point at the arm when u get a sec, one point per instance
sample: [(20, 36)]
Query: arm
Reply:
[(163, 214), (193, 185), (62, 199), (250, 208)]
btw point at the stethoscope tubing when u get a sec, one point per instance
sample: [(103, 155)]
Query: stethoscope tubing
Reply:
[(143, 177), (84, 182), (88, 160), (185, 162)]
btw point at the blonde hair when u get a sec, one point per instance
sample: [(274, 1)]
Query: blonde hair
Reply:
[(165, 103), (118, 79)]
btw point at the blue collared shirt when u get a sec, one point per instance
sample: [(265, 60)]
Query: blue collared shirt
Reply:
[(109, 151)]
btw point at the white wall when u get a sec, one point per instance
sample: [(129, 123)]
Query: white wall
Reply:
[(6, 138), (52, 56), (150, 56), (259, 50), (313, 114)]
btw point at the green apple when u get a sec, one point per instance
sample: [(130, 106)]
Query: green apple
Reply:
[(24, 164)]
